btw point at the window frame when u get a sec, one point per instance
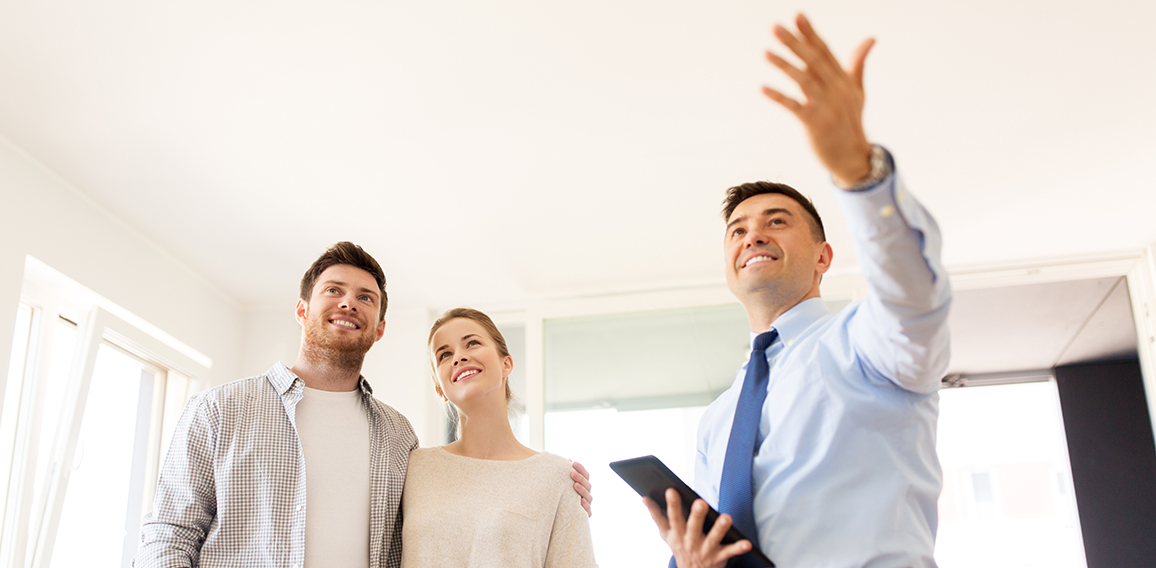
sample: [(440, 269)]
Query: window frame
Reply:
[(28, 533)]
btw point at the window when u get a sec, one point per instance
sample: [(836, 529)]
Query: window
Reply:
[(515, 335), (622, 530), (108, 469), (89, 403), (1007, 496), (629, 384), (12, 397), (626, 385), (572, 372)]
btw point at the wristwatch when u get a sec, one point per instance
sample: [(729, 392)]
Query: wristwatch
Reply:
[(880, 169)]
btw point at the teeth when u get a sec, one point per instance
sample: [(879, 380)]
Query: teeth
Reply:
[(344, 323), (760, 258), (469, 373)]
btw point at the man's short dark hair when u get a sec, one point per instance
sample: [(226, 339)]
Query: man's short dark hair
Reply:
[(741, 193), (345, 252)]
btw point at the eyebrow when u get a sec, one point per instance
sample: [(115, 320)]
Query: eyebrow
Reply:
[(765, 213), (340, 283), (447, 346)]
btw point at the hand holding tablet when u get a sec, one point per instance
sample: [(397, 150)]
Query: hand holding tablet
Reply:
[(651, 479)]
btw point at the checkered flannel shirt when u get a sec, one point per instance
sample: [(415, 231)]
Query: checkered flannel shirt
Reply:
[(232, 489)]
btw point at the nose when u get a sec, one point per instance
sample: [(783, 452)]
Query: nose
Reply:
[(754, 238), (347, 303)]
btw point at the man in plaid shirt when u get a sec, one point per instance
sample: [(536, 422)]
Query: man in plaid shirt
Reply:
[(232, 491)]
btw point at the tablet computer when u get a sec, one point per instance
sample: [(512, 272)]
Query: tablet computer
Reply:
[(651, 478)]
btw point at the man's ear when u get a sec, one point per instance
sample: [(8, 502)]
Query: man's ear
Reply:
[(302, 311), (380, 331), (826, 255)]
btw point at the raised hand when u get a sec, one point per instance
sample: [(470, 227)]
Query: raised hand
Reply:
[(833, 110)]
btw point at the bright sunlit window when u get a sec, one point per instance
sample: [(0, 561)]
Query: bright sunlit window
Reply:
[(623, 533), (81, 434), (624, 385), (1007, 498), (12, 398), (113, 437)]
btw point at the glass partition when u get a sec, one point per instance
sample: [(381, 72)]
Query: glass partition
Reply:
[(625, 385)]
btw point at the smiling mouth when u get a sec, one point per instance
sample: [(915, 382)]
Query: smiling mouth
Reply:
[(344, 323), (466, 374), (758, 258)]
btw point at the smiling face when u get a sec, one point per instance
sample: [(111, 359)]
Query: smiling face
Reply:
[(773, 260), (470, 369), (341, 319)]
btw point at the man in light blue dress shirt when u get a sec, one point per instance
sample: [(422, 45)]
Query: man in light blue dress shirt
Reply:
[(845, 472)]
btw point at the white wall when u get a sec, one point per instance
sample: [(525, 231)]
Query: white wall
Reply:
[(270, 334), (399, 370), (43, 216)]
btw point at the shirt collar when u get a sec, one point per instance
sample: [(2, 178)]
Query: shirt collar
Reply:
[(794, 321), (364, 386), (283, 380)]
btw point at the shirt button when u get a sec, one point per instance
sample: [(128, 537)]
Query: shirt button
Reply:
[(300, 508), (886, 211)]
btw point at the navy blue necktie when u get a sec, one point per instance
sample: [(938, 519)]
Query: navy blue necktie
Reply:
[(735, 495)]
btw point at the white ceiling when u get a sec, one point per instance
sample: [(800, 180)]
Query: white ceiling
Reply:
[(492, 153)]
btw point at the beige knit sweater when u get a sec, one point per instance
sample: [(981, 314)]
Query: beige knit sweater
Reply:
[(475, 513)]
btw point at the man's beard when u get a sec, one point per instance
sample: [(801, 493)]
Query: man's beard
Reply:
[(324, 347)]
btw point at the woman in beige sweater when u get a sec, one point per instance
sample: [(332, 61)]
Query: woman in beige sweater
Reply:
[(486, 500)]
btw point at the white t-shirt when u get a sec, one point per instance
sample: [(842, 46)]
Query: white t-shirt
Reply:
[(334, 432)]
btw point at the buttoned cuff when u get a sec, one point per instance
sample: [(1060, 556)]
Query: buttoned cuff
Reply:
[(881, 207)]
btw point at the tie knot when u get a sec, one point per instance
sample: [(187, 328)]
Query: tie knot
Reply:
[(764, 340)]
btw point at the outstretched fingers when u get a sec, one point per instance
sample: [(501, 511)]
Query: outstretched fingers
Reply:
[(858, 60), (787, 68), (819, 64), (811, 37), (831, 107), (792, 72), (787, 102)]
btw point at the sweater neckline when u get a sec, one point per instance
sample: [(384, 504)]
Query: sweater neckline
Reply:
[(523, 460)]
